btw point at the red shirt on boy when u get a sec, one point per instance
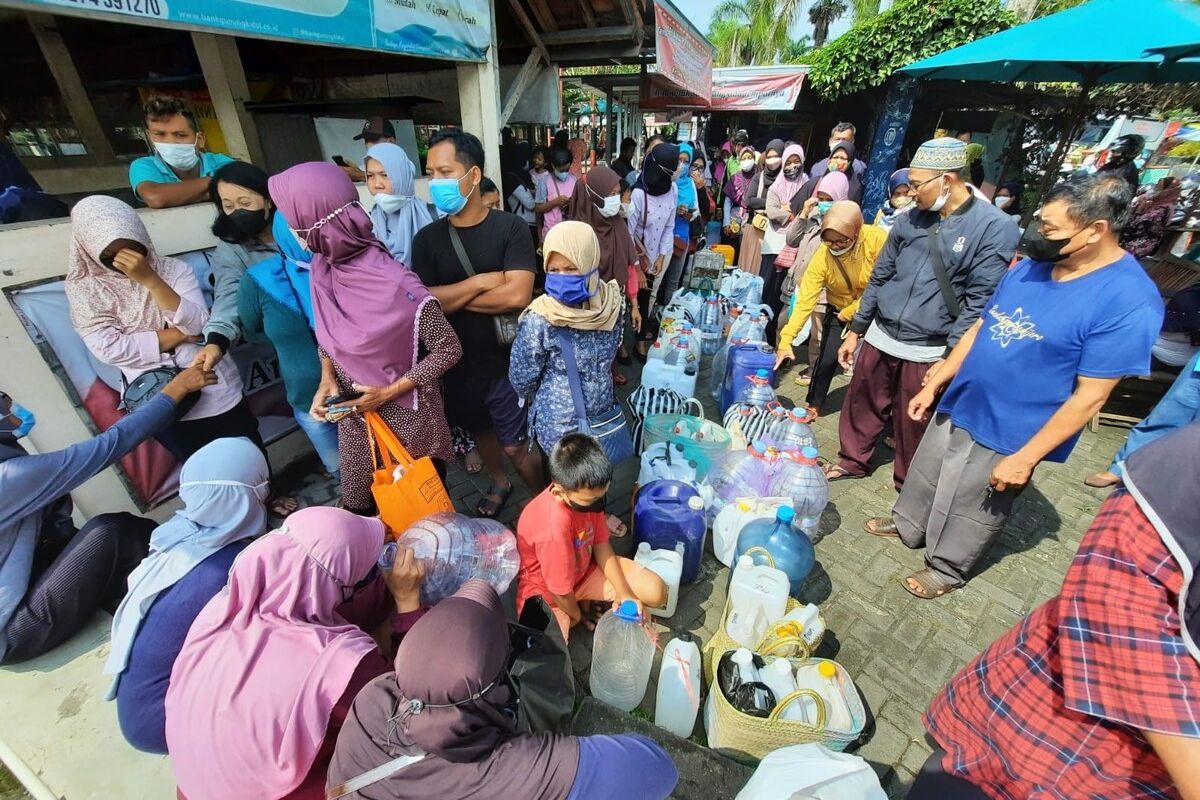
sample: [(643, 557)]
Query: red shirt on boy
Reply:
[(555, 543)]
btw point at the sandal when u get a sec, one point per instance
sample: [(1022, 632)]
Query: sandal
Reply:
[(1102, 480), (889, 442), (619, 530), (928, 584), (284, 506), (473, 462), (803, 380), (493, 500), (835, 472), (619, 379), (882, 526)]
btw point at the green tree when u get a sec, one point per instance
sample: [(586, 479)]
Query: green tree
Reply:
[(864, 9), (822, 14), (753, 31)]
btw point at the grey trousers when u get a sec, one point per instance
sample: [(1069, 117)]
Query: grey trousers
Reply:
[(947, 505)]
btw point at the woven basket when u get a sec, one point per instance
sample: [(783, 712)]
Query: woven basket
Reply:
[(743, 734), (721, 642)]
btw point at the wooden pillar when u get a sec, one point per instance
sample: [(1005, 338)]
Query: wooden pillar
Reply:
[(479, 99), (226, 81), (62, 66)]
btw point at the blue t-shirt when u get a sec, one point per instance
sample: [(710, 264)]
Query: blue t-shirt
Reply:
[(626, 765), (154, 169), (1038, 335), (142, 692)]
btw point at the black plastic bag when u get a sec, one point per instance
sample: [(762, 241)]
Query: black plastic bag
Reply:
[(541, 670)]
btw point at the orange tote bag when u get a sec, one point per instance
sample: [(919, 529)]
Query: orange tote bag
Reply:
[(417, 493)]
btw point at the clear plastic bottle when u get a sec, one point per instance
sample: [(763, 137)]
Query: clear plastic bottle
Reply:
[(719, 364), (758, 391), (796, 433), (622, 654), (735, 475), (710, 325), (802, 479), (680, 356), (454, 549), (777, 543)]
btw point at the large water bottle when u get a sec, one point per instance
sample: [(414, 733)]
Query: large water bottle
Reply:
[(801, 478), (778, 544), (710, 325), (678, 686), (622, 654), (735, 475), (758, 391), (454, 549), (728, 319), (719, 364), (680, 355), (796, 434)]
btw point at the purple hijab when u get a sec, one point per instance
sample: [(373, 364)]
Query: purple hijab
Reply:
[(366, 303), (735, 187)]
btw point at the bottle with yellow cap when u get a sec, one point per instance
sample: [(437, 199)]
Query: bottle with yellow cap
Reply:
[(822, 677)]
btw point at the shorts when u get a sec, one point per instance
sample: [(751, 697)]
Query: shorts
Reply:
[(482, 404)]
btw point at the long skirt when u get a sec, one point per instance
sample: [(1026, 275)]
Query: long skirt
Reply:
[(750, 254)]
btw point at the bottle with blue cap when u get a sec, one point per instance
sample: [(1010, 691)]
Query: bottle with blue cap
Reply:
[(622, 655), (800, 478), (778, 543), (758, 391)]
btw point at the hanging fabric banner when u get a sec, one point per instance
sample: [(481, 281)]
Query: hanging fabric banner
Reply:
[(890, 129)]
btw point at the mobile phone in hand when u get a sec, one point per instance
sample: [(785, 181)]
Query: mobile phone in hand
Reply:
[(340, 399), (341, 162)]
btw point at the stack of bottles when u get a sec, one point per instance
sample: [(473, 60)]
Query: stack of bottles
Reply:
[(760, 471), (454, 549), (699, 441)]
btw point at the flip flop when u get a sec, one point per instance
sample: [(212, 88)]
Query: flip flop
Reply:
[(929, 584), (493, 500), (884, 527), (835, 472), (473, 462), (803, 380), (1102, 480), (284, 506)]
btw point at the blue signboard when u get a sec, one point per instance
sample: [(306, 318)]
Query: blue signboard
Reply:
[(460, 30), (892, 124)]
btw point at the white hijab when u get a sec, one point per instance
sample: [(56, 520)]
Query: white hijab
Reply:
[(224, 488)]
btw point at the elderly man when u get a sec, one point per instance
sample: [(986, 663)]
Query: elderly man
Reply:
[(1063, 327), (940, 265)]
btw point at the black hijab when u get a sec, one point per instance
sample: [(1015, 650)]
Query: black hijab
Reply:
[(658, 170), (241, 174), (855, 191), (769, 175)]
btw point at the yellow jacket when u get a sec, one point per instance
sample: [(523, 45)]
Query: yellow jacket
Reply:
[(823, 273)]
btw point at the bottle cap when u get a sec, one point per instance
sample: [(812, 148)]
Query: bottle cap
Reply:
[(809, 452), (744, 505), (685, 637), (628, 611), (762, 373), (644, 547), (827, 669), (745, 561), (785, 514), (695, 504), (742, 656), (759, 446)]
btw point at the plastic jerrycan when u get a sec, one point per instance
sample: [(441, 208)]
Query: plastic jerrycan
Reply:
[(777, 543), (669, 512), (757, 597), (679, 684), (668, 565), (743, 361), (734, 516), (822, 678), (622, 654)]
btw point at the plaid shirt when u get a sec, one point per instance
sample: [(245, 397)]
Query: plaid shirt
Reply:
[(1054, 708)]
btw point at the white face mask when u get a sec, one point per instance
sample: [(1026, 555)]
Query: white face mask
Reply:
[(390, 203), (179, 156), (748, 165), (842, 251), (612, 206), (626, 209), (1003, 202), (942, 198)]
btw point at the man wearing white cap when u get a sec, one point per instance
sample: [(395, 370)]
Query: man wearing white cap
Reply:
[(940, 265)]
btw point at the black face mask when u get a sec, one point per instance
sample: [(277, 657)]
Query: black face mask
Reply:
[(791, 172), (590, 508), (248, 222), (1039, 248)]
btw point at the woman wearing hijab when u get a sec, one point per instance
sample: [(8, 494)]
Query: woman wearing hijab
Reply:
[(139, 311), (585, 310), (687, 210), (597, 202), (1147, 228), (779, 213), (275, 306), (1008, 199), (398, 213), (710, 215), (750, 257), (837, 275), (737, 216), (899, 199), (651, 221), (224, 489), (382, 336), (271, 665), (841, 159), (447, 733)]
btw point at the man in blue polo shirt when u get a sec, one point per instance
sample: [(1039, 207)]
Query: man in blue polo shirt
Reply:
[(178, 172), (1063, 327)]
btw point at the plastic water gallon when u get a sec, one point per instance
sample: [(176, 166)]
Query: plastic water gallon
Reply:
[(670, 512), (795, 433), (801, 478), (668, 565), (757, 597), (758, 390), (735, 475), (454, 549), (710, 325), (824, 678), (734, 516), (679, 684), (622, 654), (776, 543), (745, 360)]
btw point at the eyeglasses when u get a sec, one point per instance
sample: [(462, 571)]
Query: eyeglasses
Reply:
[(913, 188)]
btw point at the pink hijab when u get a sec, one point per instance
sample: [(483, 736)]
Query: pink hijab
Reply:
[(834, 184), (367, 305), (784, 187), (267, 659)]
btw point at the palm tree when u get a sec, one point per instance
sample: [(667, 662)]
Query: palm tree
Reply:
[(822, 14), (753, 31), (864, 9)]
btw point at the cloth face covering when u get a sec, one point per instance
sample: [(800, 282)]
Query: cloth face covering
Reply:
[(567, 288)]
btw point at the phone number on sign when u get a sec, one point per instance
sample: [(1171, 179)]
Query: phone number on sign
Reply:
[(145, 8)]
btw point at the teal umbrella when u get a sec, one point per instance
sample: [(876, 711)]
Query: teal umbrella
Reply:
[(1102, 41)]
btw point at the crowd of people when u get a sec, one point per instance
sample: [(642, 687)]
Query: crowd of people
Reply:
[(485, 324)]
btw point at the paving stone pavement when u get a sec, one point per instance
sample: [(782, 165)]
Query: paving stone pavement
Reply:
[(900, 650)]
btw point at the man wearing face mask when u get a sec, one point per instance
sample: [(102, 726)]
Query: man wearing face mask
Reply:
[(842, 133), (179, 171), (1062, 329), (941, 262), (479, 263), (52, 577)]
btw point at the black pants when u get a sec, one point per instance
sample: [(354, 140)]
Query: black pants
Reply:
[(772, 291), (184, 438), (934, 783), (74, 578), (827, 362)]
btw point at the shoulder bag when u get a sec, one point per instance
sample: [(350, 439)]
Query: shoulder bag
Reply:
[(146, 386), (953, 305), (608, 428), (505, 324)]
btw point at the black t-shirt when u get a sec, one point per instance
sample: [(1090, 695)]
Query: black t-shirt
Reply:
[(499, 243)]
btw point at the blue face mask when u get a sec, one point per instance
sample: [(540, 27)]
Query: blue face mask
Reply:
[(561, 176), (568, 289), (823, 207), (447, 194), (27, 420)]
